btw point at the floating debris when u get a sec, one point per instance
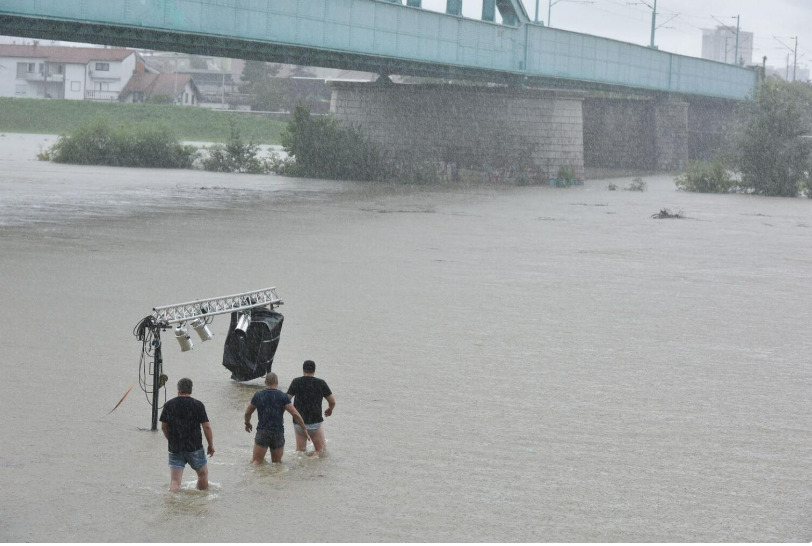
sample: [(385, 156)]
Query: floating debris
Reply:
[(665, 213)]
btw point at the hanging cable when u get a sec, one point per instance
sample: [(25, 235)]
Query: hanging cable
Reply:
[(147, 332)]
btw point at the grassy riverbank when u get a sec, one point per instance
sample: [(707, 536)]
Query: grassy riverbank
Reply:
[(62, 117)]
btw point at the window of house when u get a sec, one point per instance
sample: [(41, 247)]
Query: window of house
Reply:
[(103, 67), (21, 90), (75, 86), (25, 68)]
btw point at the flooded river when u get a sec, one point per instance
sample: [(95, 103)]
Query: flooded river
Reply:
[(509, 363)]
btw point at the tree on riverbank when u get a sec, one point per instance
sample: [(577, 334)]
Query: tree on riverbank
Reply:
[(318, 147), (773, 148)]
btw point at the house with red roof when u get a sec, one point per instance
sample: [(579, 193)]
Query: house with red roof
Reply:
[(174, 88), (88, 73), (74, 73)]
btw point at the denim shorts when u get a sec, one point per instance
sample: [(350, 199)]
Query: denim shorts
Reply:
[(270, 439), (312, 427), (196, 459)]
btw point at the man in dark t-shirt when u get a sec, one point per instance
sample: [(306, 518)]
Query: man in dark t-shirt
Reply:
[(308, 392), (181, 420), (271, 404)]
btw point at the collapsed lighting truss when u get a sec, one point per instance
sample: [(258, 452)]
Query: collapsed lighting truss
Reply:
[(163, 317), (183, 312)]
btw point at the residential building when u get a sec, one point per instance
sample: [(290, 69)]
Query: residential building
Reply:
[(73, 73), (214, 76), (166, 88), (720, 44)]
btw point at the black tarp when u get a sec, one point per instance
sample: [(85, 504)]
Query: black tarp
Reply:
[(250, 355)]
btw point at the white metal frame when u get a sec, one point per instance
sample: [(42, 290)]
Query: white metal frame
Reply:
[(182, 312)]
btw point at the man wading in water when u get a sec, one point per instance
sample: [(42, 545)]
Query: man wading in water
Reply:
[(181, 420), (308, 392), (271, 404)]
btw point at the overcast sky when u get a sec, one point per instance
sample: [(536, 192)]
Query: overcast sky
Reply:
[(774, 23)]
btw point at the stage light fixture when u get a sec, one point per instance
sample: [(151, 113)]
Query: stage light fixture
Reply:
[(183, 338), (243, 320), (202, 329)]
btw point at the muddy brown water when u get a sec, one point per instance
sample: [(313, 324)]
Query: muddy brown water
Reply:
[(510, 363)]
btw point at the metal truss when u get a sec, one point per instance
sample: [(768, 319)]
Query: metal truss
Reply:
[(182, 312)]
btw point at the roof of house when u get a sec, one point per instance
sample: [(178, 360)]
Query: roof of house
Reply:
[(171, 84), (73, 55), (158, 84)]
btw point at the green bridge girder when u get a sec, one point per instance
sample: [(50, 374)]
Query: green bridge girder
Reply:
[(382, 36)]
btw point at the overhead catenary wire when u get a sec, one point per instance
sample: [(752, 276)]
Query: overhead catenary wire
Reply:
[(682, 23)]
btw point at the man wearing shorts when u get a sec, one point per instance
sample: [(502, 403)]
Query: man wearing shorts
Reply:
[(308, 392), (181, 420), (271, 405)]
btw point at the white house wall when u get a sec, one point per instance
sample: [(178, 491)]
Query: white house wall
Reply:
[(75, 81), (106, 85), (11, 86), (8, 75)]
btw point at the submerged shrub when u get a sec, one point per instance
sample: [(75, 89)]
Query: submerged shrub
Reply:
[(320, 148), (706, 177), (140, 145), (236, 156), (638, 184)]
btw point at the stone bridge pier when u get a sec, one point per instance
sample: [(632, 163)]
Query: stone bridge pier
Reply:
[(497, 127), (476, 127)]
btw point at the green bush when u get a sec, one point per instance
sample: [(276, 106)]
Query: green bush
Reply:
[(236, 156), (706, 177), (567, 174), (140, 145), (318, 147), (770, 154), (638, 184)]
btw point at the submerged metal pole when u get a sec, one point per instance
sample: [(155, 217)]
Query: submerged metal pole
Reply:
[(156, 378)]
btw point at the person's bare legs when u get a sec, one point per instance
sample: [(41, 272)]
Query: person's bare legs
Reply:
[(318, 440), (301, 439), (259, 455), (276, 455), (203, 477), (175, 475)]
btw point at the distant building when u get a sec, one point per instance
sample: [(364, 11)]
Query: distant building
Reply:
[(215, 77), (73, 73), (126, 75), (719, 44), (789, 71), (166, 88)]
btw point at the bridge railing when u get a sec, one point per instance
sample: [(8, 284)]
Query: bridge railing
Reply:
[(376, 35), (570, 55)]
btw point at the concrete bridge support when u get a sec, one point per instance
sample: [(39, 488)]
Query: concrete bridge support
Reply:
[(647, 134), (670, 134), (476, 127)]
